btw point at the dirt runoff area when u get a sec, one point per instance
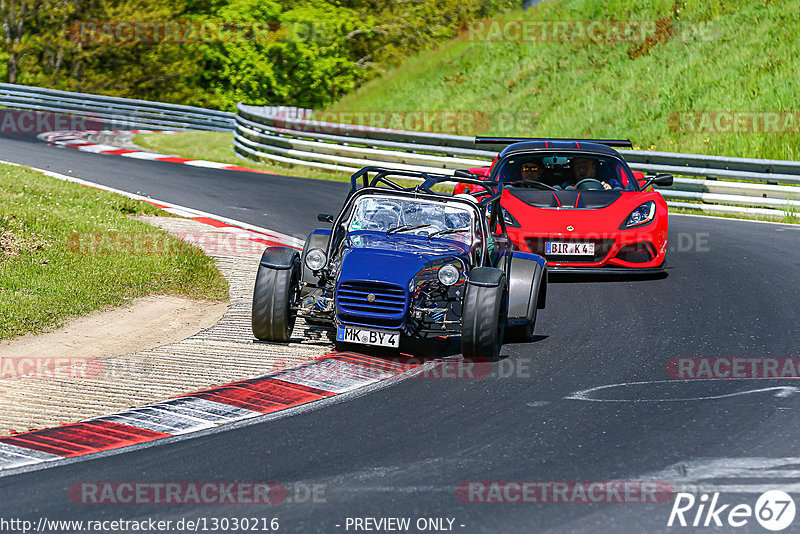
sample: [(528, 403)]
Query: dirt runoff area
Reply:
[(143, 323), (153, 349)]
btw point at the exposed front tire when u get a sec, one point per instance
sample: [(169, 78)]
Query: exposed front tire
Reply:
[(484, 321), (276, 291)]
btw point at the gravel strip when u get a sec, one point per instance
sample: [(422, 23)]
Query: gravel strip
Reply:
[(223, 353)]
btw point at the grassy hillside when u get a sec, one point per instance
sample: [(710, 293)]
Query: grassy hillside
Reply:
[(719, 55), (67, 250)]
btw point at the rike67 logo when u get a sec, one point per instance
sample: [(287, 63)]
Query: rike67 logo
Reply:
[(774, 510)]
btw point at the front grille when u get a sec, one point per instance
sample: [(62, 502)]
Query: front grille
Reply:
[(601, 249), (388, 308)]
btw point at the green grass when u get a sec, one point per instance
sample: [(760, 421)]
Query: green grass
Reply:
[(741, 57), (218, 146), (54, 260)]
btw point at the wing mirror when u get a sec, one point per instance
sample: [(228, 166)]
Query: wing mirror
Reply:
[(663, 180), (325, 217)]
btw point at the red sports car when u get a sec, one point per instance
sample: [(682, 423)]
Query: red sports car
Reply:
[(578, 204)]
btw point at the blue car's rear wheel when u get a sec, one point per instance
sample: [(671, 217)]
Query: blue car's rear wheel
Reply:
[(484, 321), (274, 298)]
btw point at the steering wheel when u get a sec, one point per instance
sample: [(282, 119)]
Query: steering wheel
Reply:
[(591, 185), (383, 220)]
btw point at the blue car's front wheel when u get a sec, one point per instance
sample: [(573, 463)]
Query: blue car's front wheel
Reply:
[(484, 321), (274, 298)]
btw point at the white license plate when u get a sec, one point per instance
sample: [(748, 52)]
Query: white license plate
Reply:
[(560, 248), (348, 334)]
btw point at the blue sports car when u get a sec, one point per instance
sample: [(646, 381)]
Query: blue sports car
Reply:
[(405, 262)]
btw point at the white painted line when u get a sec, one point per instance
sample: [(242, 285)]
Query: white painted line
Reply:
[(97, 148), (747, 475), (179, 212), (190, 212), (146, 155), (635, 388), (209, 164)]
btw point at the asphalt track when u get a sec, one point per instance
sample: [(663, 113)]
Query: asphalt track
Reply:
[(401, 451)]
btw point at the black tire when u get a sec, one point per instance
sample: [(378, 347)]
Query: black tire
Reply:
[(484, 321), (273, 297), (521, 333)]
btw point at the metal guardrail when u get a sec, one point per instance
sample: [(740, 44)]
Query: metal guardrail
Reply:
[(116, 113), (709, 183)]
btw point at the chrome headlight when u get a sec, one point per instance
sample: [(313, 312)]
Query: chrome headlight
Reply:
[(641, 215), (449, 274), (316, 259)]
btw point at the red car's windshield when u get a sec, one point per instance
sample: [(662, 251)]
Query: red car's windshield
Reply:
[(566, 171)]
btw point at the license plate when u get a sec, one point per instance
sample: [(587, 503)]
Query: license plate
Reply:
[(348, 334), (560, 248)]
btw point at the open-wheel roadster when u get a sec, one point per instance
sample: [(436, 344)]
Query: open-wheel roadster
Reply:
[(405, 262)]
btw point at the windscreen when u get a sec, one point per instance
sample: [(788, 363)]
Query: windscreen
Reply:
[(566, 171), (418, 217)]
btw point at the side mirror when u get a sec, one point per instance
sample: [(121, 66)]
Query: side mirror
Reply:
[(327, 217), (663, 180)]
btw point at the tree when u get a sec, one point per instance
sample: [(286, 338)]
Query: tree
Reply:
[(14, 15)]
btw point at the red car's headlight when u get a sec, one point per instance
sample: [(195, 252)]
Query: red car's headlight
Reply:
[(640, 216)]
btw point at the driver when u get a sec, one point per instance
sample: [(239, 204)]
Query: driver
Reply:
[(586, 169), (531, 172)]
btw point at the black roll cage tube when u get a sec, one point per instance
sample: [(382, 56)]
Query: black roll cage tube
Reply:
[(491, 200)]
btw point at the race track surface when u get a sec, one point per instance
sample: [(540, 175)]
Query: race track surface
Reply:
[(402, 451)]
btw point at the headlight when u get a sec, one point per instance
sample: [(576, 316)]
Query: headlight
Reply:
[(315, 259), (449, 274), (641, 215)]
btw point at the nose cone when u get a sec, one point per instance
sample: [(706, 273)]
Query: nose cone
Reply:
[(381, 265)]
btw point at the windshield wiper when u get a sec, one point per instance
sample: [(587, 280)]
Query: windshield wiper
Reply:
[(406, 228), (540, 185), (448, 231)]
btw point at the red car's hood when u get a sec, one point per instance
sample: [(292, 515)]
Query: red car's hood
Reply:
[(573, 213), (565, 199)]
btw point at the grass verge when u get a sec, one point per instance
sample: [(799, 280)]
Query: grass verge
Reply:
[(218, 146), (54, 263)]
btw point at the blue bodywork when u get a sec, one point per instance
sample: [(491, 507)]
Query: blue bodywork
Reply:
[(393, 269)]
